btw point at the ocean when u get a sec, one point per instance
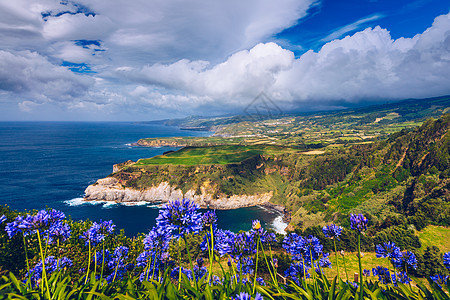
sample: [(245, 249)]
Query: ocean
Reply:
[(49, 164)]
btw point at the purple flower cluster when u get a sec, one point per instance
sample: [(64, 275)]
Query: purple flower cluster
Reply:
[(439, 279), (209, 218), (307, 251), (358, 222), (2, 219), (117, 263), (175, 272), (246, 296), (49, 223), (383, 274), (398, 258), (156, 245), (388, 250), (332, 231), (402, 277), (51, 265), (446, 258), (97, 232), (295, 271), (199, 269), (245, 266), (180, 218)]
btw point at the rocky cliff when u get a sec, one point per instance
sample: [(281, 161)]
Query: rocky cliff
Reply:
[(109, 189)]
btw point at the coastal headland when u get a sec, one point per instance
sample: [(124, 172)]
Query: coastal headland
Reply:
[(314, 169)]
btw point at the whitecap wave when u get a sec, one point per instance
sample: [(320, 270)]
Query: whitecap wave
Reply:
[(75, 202), (279, 225), (135, 203), (81, 201)]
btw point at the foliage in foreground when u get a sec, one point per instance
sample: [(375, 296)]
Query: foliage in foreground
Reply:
[(157, 270)]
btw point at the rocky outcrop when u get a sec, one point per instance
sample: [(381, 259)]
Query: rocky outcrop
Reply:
[(118, 167), (173, 142), (109, 189)]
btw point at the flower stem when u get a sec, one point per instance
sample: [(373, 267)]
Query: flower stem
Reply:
[(211, 253), (103, 259), (360, 268), (179, 263), (26, 255), (337, 263), (89, 264), (190, 262), (44, 274), (256, 264), (268, 267)]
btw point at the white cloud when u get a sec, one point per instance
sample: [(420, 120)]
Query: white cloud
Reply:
[(371, 65), (28, 74), (193, 55), (367, 66)]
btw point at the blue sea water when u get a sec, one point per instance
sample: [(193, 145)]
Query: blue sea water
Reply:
[(49, 164)]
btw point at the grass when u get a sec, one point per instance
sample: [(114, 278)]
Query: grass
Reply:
[(435, 236), (217, 155)]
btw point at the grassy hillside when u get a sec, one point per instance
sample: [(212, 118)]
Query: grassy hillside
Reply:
[(315, 130), (221, 155), (405, 176)]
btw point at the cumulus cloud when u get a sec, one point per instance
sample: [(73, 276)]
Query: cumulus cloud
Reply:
[(28, 74), (195, 56), (367, 66)]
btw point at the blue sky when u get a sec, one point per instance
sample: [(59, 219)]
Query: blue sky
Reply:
[(145, 60), (401, 17)]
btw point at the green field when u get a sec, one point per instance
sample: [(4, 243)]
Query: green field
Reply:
[(216, 155), (435, 236)]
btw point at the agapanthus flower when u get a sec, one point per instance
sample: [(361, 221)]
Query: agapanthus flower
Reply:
[(295, 245), (51, 265), (391, 251), (223, 241), (12, 228), (237, 278), (180, 218), (118, 257), (97, 232), (244, 245), (439, 279), (98, 256), (56, 216), (383, 274), (246, 296), (324, 261), (366, 272), (157, 240), (2, 219), (245, 265), (403, 278), (408, 259), (59, 231), (304, 249), (209, 218), (295, 271), (199, 270), (260, 281), (43, 221), (332, 231), (447, 260), (175, 272), (216, 280), (358, 222)]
